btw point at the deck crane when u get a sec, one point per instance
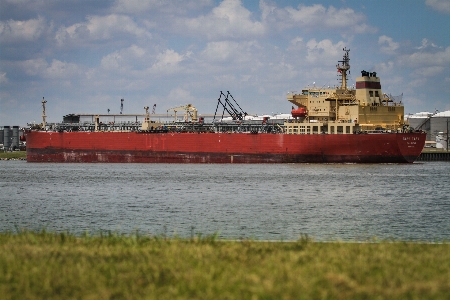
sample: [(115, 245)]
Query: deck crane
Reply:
[(229, 107), (189, 112)]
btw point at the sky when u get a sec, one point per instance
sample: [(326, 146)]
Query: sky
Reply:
[(83, 56)]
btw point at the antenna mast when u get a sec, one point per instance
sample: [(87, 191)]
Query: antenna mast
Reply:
[(343, 68), (44, 117), (121, 105), (147, 115)]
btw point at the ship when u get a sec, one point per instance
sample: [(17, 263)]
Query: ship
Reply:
[(339, 124)]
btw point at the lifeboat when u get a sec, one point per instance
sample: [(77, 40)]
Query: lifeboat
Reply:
[(300, 112)]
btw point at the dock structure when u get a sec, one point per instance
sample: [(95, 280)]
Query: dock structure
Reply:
[(434, 156)]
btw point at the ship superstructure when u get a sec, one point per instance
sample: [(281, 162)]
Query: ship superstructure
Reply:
[(344, 110)]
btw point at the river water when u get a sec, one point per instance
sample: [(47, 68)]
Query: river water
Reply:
[(328, 202)]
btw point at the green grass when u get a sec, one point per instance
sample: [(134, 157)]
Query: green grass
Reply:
[(13, 155), (63, 266)]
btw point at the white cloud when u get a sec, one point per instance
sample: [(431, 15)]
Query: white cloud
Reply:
[(283, 70), (168, 62), (60, 69), (124, 58), (221, 51), (314, 17), (296, 44), (112, 61), (3, 78), (136, 68), (180, 96), (56, 70), (171, 7), (442, 6), (34, 67), (242, 55), (17, 31), (427, 44), (26, 4), (388, 46), (323, 51), (136, 51), (168, 58), (228, 20), (101, 28), (137, 6), (420, 59), (385, 67), (429, 71)]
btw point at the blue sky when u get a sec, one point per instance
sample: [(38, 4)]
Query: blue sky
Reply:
[(84, 56)]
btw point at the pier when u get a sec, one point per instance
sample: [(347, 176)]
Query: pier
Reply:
[(434, 155)]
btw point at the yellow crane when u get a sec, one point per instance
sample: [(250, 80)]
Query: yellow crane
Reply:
[(189, 112)]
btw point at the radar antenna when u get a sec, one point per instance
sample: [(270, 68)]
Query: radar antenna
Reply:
[(343, 67)]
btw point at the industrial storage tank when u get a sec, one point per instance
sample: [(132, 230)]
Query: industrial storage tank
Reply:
[(6, 137), (15, 138)]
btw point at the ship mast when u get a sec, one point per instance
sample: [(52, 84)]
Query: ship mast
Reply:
[(147, 115), (44, 123), (343, 67)]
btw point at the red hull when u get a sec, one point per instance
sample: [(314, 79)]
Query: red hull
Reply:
[(136, 147)]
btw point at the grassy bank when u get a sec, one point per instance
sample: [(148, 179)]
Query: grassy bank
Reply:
[(13, 155), (62, 266)]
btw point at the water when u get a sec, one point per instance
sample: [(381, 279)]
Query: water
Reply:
[(261, 201)]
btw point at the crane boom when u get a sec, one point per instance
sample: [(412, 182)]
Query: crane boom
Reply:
[(189, 112)]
